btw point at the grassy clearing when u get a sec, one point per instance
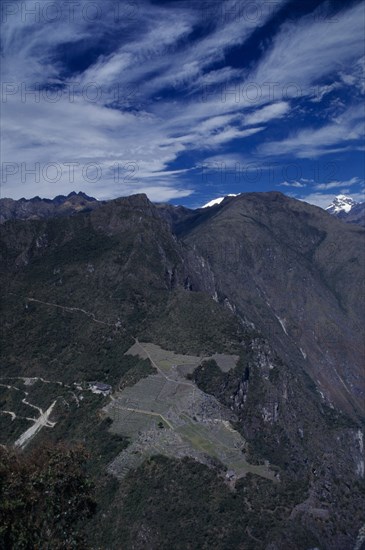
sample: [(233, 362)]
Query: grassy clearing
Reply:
[(198, 438), (224, 361)]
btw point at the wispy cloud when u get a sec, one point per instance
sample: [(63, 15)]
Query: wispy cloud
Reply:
[(153, 54), (315, 142), (143, 92), (267, 113), (338, 184), (309, 50), (296, 184)]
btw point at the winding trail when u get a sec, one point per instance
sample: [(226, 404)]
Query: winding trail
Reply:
[(12, 414), (10, 387), (43, 419), (72, 309), (15, 416), (33, 406), (40, 422), (31, 379)]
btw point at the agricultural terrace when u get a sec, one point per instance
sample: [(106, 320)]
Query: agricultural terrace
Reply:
[(167, 414)]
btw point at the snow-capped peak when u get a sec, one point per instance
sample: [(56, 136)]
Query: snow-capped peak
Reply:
[(217, 201), (341, 203)]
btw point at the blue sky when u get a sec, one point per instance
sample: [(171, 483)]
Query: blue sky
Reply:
[(182, 100)]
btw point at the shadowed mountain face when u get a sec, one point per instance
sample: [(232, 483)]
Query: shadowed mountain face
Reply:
[(298, 275), (271, 279), (356, 215)]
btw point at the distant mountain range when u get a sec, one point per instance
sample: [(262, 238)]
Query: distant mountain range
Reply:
[(37, 208), (342, 207), (347, 209), (341, 204)]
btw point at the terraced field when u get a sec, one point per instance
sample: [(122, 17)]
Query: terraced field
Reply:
[(167, 414)]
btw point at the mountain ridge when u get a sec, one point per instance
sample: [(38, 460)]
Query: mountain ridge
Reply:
[(37, 208), (63, 205)]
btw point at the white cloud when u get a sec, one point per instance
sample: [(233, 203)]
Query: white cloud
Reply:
[(313, 48), (314, 142), (354, 75), (151, 52), (228, 134), (320, 92), (269, 112), (297, 184), (337, 184)]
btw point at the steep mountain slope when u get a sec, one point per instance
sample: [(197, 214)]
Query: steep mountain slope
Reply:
[(297, 274), (119, 263), (273, 280), (356, 215)]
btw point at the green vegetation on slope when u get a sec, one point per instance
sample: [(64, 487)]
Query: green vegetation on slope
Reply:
[(193, 323), (45, 497), (182, 504)]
